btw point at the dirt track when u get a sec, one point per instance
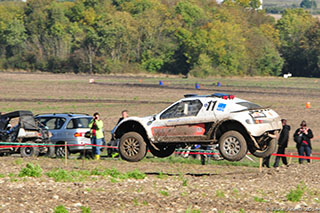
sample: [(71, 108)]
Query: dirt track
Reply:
[(223, 188), (226, 189)]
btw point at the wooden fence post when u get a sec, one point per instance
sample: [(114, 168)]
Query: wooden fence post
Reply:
[(260, 165), (84, 155), (290, 159), (65, 154)]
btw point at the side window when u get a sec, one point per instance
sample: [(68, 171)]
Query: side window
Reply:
[(194, 107), (78, 123), (59, 123), (182, 109), (83, 122), (53, 123), (71, 124)]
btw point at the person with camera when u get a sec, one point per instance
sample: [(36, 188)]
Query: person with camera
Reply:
[(96, 130), (302, 137)]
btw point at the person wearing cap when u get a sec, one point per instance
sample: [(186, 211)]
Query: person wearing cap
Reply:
[(96, 130), (302, 137), (282, 143)]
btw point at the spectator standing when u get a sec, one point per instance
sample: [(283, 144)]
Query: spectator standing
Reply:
[(266, 160), (302, 137), (113, 152), (124, 115), (282, 143), (96, 130)]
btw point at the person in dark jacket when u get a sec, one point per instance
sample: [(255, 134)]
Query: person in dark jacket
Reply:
[(266, 160), (302, 137), (282, 143)]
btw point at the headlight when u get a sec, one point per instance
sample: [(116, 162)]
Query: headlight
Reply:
[(257, 115)]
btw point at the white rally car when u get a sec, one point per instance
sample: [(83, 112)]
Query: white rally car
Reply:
[(235, 124)]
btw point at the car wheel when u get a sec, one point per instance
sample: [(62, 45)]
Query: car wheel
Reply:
[(29, 151), (232, 146), (132, 147), (165, 150), (60, 151), (267, 149)]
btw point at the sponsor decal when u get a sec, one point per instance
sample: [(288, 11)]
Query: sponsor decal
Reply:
[(221, 107)]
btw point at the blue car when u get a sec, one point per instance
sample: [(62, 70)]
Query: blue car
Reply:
[(67, 127)]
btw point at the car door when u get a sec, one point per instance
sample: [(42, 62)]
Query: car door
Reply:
[(75, 130), (54, 124), (179, 120)]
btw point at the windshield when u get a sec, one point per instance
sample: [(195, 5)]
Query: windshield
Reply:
[(249, 105)]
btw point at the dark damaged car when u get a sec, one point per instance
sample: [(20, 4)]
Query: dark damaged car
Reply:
[(24, 134)]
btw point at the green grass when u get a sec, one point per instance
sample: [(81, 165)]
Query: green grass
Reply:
[(136, 174), (18, 161), (263, 82), (162, 176), (85, 209), (60, 209), (61, 175), (135, 202), (191, 210), (295, 195), (220, 194), (184, 182), (31, 171), (190, 160), (164, 193), (259, 199)]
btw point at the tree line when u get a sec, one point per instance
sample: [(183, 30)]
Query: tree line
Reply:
[(190, 37)]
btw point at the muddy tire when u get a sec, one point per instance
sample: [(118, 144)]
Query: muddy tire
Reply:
[(267, 150), (165, 150), (29, 151), (132, 147), (232, 146), (60, 151)]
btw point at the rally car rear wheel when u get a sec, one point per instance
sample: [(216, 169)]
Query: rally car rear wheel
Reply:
[(266, 149), (132, 147), (165, 150), (232, 146)]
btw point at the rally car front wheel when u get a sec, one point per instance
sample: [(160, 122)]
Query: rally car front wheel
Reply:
[(232, 146), (132, 147), (266, 148)]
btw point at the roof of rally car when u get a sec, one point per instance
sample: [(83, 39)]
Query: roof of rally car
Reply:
[(223, 96)]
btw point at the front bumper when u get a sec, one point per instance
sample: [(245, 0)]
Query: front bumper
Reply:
[(257, 130)]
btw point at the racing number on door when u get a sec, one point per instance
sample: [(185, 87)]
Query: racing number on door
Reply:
[(211, 105)]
